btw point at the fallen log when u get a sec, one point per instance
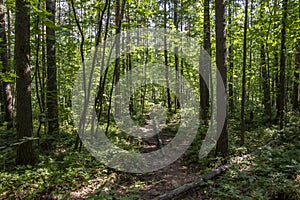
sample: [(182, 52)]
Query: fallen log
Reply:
[(188, 186), (203, 178)]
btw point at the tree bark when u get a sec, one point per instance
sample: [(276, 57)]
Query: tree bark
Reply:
[(296, 75), (204, 93), (118, 18), (265, 84), (281, 91), (166, 57), (222, 144), (176, 57), (230, 58), (25, 153), (51, 97)]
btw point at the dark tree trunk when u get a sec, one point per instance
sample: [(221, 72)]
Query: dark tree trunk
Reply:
[(264, 62), (296, 75), (244, 76), (25, 153), (222, 144), (51, 97), (176, 55), (117, 64), (166, 57), (281, 91), (204, 93), (230, 58), (6, 86), (265, 84), (276, 64)]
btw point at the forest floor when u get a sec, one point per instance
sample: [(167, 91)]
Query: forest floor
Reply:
[(266, 167)]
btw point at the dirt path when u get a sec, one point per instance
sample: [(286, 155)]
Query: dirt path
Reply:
[(166, 179)]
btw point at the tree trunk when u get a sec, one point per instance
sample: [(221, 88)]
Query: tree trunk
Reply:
[(204, 93), (51, 97), (296, 75), (265, 84), (281, 91), (176, 56), (25, 153), (117, 64), (230, 57), (6, 86), (244, 76), (222, 144), (166, 57)]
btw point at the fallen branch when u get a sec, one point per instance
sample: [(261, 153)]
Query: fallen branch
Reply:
[(188, 186), (203, 178)]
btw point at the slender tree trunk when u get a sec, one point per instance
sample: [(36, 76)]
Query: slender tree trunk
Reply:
[(296, 75), (276, 63), (230, 58), (176, 56), (249, 69), (244, 76), (204, 93), (166, 57), (37, 76), (51, 97), (281, 92), (117, 67), (6, 86), (103, 73), (25, 153), (265, 84), (222, 144), (117, 64)]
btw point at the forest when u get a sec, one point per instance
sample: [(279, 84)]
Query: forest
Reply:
[(150, 99)]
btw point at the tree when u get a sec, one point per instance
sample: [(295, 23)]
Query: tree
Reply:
[(118, 18), (25, 153), (51, 97), (176, 58), (281, 91), (204, 95), (244, 75), (296, 74), (230, 58), (264, 69), (6, 86), (222, 144), (166, 57)]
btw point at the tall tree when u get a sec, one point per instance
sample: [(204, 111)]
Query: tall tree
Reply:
[(204, 95), (166, 56), (222, 144), (6, 86), (176, 22), (230, 58), (51, 97), (265, 83), (244, 75), (25, 153), (296, 74), (281, 91), (264, 69), (117, 64)]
